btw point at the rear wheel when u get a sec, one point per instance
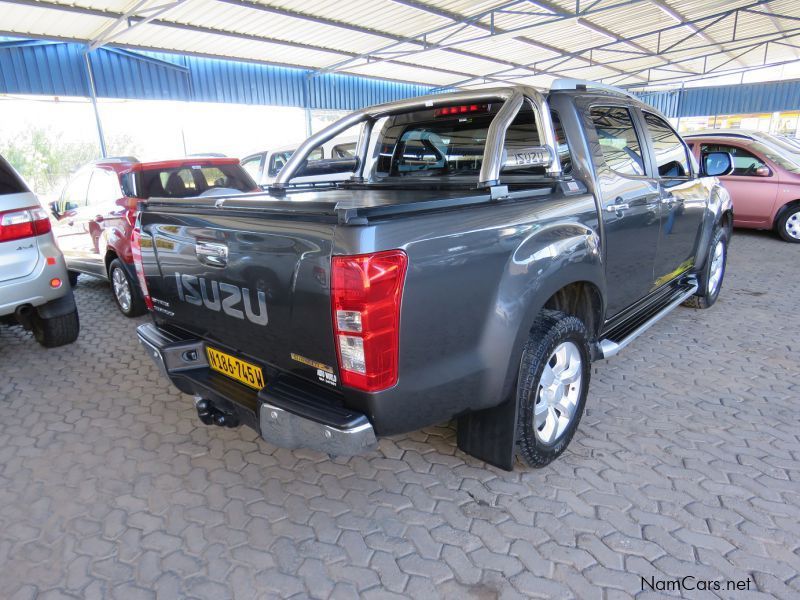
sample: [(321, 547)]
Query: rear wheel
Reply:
[(56, 331), (129, 300), (789, 225), (712, 273), (553, 385)]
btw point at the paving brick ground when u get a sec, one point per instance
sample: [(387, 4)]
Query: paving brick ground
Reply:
[(686, 463)]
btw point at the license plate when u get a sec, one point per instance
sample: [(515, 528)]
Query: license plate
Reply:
[(235, 368)]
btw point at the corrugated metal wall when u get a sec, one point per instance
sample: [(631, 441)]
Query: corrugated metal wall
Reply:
[(33, 67), (727, 99), (57, 69)]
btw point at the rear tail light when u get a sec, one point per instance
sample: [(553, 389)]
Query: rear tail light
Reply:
[(23, 223), (366, 291), (136, 252)]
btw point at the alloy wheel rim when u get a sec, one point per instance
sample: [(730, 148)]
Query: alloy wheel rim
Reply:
[(792, 225), (558, 393), (122, 291), (717, 267)]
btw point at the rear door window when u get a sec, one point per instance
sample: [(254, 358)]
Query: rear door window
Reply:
[(74, 195), (253, 165), (103, 187), (184, 182), (671, 157), (618, 141), (10, 181)]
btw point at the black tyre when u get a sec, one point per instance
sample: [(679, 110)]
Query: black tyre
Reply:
[(713, 272), (56, 331), (553, 385), (125, 291), (788, 226), (73, 277)]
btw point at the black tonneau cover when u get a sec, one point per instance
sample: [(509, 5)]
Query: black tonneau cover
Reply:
[(352, 205)]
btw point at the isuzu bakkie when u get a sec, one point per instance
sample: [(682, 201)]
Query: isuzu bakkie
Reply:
[(487, 247)]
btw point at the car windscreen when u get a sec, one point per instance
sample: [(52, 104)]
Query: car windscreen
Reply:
[(10, 181), (450, 141), (193, 180), (781, 153)]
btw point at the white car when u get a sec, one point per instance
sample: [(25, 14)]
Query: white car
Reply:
[(34, 285), (265, 166)]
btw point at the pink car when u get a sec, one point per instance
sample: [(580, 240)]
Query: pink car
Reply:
[(765, 182)]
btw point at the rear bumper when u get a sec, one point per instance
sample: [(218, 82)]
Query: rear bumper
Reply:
[(34, 288), (284, 413)]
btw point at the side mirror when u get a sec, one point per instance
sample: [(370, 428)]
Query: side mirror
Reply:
[(763, 171), (54, 208), (717, 164)]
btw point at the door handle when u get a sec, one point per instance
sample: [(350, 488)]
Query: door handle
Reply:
[(214, 254), (618, 207), (670, 200)]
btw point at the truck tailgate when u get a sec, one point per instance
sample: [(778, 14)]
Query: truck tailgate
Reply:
[(250, 284)]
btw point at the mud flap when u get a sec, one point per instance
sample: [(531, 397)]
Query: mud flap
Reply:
[(57, 308), (490, 434)]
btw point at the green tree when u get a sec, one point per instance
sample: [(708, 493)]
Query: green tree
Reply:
[(45, 159)]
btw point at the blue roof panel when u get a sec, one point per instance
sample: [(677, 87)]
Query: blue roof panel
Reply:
[(57, 69)]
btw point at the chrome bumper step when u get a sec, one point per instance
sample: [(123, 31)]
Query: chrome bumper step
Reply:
[(613, 344)]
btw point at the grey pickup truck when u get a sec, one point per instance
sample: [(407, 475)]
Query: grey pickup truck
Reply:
[(487, 248)]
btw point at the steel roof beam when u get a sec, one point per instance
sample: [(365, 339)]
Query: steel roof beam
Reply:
[(209, 30), (108, 34), (734, 71), (560, 16), (750, 46), (689, 22), (756, 40), (606, 47)]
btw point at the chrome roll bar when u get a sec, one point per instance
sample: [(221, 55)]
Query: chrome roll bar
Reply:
[(513, 99)]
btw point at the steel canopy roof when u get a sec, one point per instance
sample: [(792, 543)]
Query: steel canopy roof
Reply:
[(446, 43)]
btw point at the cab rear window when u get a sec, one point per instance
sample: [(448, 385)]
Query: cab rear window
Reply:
[(192, 180), (450, 141)]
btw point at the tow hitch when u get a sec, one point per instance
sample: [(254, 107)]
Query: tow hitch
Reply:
[(210, 415)]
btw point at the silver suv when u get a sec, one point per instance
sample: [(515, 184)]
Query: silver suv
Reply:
[(34, 286)]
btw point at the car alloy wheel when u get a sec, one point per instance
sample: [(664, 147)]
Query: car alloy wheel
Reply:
[(122, 289), (717, 267), (558, 393), (792, 225)]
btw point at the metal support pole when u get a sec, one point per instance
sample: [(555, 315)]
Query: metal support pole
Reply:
[(307, 103), (93, 96)]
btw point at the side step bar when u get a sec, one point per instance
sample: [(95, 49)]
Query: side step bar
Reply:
[(609, 348)]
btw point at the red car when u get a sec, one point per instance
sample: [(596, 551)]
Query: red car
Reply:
[(97, 211), (765, 182)]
